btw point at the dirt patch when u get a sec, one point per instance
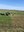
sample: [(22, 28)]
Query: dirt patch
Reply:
[(18, 21)]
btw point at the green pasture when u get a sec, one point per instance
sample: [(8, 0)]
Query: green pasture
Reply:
[(5, 19)]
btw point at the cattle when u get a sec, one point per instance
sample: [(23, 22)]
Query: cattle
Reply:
[(2, 14), (7, 13)]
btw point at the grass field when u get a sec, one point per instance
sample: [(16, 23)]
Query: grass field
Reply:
[(12, 23)]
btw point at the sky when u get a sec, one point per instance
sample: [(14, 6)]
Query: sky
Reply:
[(12, 4)]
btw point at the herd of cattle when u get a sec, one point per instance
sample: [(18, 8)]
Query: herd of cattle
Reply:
[(5, 14)]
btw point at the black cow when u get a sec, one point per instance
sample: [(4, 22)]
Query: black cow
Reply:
[(2, 14), (7, 13)]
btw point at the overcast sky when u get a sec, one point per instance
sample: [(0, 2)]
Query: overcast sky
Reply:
[(12, 4)]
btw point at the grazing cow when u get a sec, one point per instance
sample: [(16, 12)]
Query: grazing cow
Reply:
[(7, 13), (2, 14)]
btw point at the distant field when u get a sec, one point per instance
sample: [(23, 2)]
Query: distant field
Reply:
[(16, 23), (13, 11)]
